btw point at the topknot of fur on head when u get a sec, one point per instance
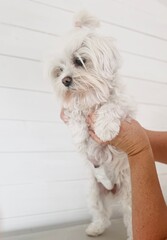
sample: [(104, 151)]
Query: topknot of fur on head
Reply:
[(85, 19)]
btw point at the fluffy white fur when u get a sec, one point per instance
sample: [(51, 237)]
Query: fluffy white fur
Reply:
[(92, 62)]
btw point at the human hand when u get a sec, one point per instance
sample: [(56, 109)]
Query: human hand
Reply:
[(64, 117), (131, 139)]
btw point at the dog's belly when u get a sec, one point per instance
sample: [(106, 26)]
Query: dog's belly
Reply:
[(98, 154), (109, 166)]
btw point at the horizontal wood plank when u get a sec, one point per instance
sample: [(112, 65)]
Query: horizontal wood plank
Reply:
[(25, 43), (36, 45), (44, 198), (18, 136), (163, 184), (25, 105), (136, 66), (34, 137), (46, 167), (41, 106), (146, 91), (161, 168), (157, 10), (33, 168), (152, 117), (22, 74), (116, 13), (44, 220), (31, 200)]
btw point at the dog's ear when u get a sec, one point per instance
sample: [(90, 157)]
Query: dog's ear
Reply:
[(111, 60), (107, 59), (85, 19)]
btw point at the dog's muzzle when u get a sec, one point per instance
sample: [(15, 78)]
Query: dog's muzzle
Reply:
[(67, 81)]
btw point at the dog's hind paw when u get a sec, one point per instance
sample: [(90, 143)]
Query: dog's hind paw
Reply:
[(96, 228), (129, 238)]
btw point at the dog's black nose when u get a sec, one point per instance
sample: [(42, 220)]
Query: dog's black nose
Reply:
[(67, 81)]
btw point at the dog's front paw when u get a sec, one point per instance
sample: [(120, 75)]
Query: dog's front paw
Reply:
[(107, 122), (107, 131), (97, 228)]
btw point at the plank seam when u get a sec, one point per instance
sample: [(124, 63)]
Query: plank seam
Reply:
[(104, 21)]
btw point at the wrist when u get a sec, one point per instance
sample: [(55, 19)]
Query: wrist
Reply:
[(144, 154)]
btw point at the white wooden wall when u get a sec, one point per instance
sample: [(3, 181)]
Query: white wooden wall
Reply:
[(42, 179)]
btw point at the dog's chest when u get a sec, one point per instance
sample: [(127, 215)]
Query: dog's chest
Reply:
[(100, 157)]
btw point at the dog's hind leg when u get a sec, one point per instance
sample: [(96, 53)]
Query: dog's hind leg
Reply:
[(127, 213), (100, 216)]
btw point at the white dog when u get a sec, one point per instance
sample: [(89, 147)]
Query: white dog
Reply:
[(85, 78)]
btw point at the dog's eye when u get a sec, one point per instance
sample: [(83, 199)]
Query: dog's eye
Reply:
[(78, 62), (57, 72)]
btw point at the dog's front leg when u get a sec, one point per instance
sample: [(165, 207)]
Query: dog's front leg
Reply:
[(79, 131), (107, 123), (100, 216)]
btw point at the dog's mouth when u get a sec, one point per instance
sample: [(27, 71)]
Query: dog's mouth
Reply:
[(79, 94), (76, 86), (83, 90)]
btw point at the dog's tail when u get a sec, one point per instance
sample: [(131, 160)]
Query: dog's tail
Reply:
[(85, 19)]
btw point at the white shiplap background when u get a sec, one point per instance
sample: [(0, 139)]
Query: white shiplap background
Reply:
[(42, 178)]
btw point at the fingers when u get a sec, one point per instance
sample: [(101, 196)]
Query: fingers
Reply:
[(63, 117), (95, 137), (90, 121)]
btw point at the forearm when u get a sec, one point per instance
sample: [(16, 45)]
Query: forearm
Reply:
[(148, 206), (149, 211), (158, 141)]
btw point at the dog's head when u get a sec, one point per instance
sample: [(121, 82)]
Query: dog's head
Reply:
[(86, 68)]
